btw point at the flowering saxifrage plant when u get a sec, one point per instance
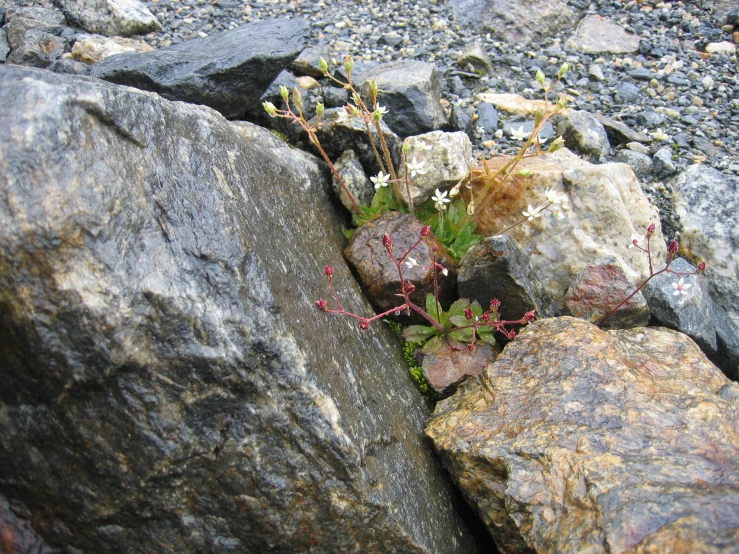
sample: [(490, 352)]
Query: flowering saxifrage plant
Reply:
[(681, 288), (464, 322)]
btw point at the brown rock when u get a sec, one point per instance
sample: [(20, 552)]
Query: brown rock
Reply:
[(446, 368), (601, 287), (517, 104), (95, 48), (583, 440), (378, 273), (595, 34)]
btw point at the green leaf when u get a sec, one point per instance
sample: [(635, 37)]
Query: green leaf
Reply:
[(487, 338), (418, 333), (433, 345), (459, 306), (431, 307), (476, 308), (349, 233), (460, 320), (462, 335)]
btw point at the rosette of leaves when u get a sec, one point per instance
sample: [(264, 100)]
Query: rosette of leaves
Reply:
[(458, 330), (451, 230)]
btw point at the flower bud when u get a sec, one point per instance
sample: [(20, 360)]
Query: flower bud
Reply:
[(426, 230), (269, 107), (525, 172), (329, 271), (701, 267), (323, 66), (558, 143), (540, 76), (409, 287), (468, 313), (348, 64), (529, 316), (373, 88), (652, 227), (673, 247), (387, 242), (322, 304), (406, 147), (320, 108), (511, 334), (563, 69), (284, 93), (470, 347), (297, 98), (377, 116), (494, 304), (435, 248), (364, 324), (486, 317)]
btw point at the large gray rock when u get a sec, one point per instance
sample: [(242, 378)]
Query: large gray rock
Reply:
[(515, 21), (688, 311), (227, 72), (580, 440), (4, 46), (411, 91), (584, 133), (37, 49), (18, 20), (167, 383), (707, 206), (110, 17), (595, 35)]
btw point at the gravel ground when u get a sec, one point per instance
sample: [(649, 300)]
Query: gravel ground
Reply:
[(687, 99)]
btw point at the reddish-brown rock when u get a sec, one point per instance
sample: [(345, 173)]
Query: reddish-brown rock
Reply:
[(584, 440), (601, 287), (378, 273), (446, 368)]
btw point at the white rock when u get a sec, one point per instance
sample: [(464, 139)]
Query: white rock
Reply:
[(96, 48), (446, 161), (724, 48), (110, 17)]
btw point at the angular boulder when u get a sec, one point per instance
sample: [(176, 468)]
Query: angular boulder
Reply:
[(411, 91), (583, 440), (110, 17), (605, 206), (595, 35), (228, 71), (707, 207), (167, 383)]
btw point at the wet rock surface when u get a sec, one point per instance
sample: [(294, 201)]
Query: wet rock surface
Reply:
[(583, 440), (446, 368), (379, 275), (168, 385), (228, 72)]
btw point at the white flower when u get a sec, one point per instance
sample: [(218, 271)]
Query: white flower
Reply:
[(381, 180), (381, 109), (553, 197), (532, 212), (540, 139), (681, 287), (411, 262), (519, 134), (421, 145), (444, 271), (634, 240), (440, 199), (343, 116), (417, 168)]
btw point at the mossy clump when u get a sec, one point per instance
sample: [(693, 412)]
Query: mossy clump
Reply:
[(409, 351)]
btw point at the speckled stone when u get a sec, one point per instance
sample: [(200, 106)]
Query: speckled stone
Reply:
[(582, 440)]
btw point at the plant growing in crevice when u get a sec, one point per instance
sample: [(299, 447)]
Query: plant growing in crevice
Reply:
[(464, 323), (681, 288)]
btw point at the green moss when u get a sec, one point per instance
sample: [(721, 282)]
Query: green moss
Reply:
[(409, 350), (281, 136)]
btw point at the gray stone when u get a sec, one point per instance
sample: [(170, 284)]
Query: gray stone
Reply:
[(640, 74), (334, 97), (638, 147), (412, 93), (513, 21), (584, 133), (707, 204), (580, 440), (18, 20), (351, 171), (639, 162), (498, 268), (38, 49), (168, 384), (291, 131), (446, 159), (726, 356), (627, 92), (595, 71), (650, 119), (487, 117), (595, 35), (92, 49), (4, 46), (662, 162), (688, 312), (620, 133), (70, 67), (307, 62), (228, 71), (110, 17), (476, 56)]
